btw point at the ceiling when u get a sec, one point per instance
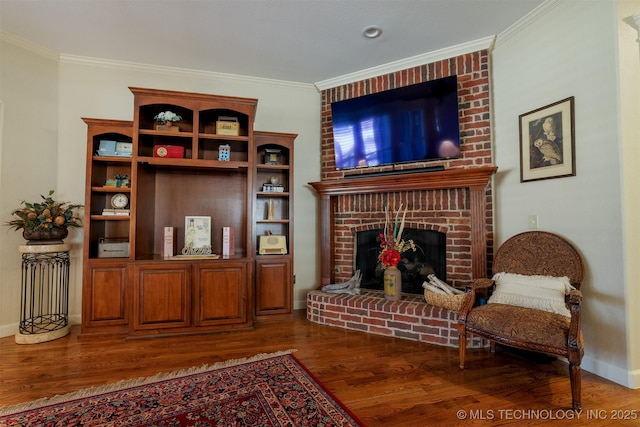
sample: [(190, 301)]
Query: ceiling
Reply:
[(305, 41)]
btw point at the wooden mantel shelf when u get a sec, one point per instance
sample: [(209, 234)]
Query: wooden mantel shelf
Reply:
[(473, 178)]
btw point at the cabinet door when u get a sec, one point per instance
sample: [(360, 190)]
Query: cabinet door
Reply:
[(273, 286), (162, 296), (220, 294), (104, 302)]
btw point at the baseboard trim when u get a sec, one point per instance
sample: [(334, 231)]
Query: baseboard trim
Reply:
[(8, 330), (624, 377)]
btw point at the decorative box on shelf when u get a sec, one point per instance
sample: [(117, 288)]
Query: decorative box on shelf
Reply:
[(227, 126), (119, 181), (224, 153), (114, 148), (272, 245), (173, 151), (272, 156), (113, 248)]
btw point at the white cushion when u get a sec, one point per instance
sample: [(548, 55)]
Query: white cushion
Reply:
[(540, 292)]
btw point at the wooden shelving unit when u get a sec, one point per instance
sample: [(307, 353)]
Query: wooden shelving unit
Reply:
[(143, 293), (274, 272), (104, 305)]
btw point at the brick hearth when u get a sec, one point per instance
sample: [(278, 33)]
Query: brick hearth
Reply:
[(410, 318)]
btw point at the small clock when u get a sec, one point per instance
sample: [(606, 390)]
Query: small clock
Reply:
[(162, 151), (274, 180), (119, 201)]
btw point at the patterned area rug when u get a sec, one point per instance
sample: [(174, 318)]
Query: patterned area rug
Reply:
[(265, 390)]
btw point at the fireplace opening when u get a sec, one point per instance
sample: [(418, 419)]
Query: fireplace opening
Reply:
[(429, 258)]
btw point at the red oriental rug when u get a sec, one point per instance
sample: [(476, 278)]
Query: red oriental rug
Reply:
[(265, 390)]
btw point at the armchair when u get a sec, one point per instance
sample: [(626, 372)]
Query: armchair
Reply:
[(530, 256)]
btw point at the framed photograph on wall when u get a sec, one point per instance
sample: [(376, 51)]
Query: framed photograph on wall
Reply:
[(547, 142), (197, 232)]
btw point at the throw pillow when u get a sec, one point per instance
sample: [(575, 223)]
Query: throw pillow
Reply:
[(540, 292)]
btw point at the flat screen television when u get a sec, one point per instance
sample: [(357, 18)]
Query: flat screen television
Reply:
[(409, 124)]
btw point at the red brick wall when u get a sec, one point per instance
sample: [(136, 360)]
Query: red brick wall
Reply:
[(447, 211), (473, 98)]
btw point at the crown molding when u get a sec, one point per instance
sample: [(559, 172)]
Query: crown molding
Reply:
[(132, 66), (403, 64), (527, 20), (27, 45), (174, 71)]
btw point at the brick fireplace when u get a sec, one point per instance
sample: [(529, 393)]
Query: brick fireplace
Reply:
[(456, 201)]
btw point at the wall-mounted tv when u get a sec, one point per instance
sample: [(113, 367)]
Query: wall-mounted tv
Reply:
[(408, 124)]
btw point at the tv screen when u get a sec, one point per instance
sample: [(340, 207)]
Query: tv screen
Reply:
[(408, 124)]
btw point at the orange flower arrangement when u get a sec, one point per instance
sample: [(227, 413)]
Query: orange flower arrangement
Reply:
[(45, 215)]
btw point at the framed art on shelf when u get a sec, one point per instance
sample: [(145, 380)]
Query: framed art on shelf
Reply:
[(197, 232), (547, 142)]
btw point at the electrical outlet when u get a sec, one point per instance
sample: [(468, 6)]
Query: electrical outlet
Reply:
[(533, 222)]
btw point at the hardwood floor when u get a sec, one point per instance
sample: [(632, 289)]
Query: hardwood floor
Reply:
[(384, 381)]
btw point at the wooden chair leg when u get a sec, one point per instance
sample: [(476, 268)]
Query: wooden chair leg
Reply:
[(575, 376), (462, 345)]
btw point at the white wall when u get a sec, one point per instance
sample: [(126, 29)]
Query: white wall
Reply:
[(28, 154), (568, 49), (99, 89)]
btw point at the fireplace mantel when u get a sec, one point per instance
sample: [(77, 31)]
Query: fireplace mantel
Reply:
[(473, 178)]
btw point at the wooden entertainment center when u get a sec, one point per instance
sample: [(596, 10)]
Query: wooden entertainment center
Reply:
[(139, 292)]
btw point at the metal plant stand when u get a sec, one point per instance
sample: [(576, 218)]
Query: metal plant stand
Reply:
[(44, 308)]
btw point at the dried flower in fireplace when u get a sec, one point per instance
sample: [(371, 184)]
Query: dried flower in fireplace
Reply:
[(391, 240)]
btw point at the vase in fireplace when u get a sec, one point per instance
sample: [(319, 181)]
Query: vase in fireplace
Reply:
[(392, 280)]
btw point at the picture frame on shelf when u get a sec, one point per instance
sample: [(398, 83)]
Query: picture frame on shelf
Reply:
[(272, 156), (197, 232), (547, 142)]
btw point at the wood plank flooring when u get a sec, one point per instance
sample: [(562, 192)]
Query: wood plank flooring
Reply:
[(384, 381)]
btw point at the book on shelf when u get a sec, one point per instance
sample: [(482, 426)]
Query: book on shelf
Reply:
[(228, 242), (168, 242), (115, 212)]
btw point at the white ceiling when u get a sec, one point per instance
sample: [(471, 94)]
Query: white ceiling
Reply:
[(306, 41)]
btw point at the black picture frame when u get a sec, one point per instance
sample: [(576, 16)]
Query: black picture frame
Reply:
[(547, 142)]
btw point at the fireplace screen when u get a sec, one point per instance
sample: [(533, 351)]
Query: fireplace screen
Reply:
[(429, 258)]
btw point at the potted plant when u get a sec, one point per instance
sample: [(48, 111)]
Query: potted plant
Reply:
[(46, 220), (166, 119)]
